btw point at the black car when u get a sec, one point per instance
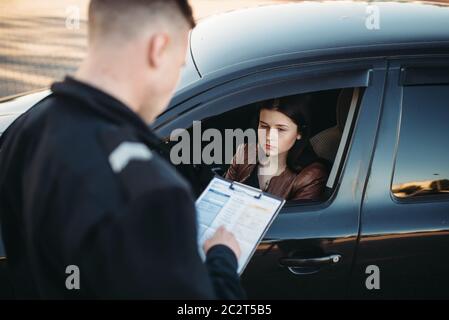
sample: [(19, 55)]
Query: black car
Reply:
[(380, 117)]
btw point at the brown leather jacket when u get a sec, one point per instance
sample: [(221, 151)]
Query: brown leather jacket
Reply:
[(308, 184)]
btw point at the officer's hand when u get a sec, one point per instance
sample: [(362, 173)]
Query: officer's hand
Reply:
[(223, 236)]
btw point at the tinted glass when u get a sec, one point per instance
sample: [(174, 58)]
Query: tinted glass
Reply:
[(422, 162)]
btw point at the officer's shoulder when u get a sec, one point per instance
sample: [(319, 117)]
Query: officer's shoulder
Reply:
[(137, 165), (58, 120)]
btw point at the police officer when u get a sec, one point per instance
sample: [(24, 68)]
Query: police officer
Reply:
[(82, 184)]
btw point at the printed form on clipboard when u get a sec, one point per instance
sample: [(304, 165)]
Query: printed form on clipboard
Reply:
[(245, 211)]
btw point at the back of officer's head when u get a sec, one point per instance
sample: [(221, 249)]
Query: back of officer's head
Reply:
[(147, 38)]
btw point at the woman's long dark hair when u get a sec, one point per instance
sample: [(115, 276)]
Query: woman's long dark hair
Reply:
[(296, 108)]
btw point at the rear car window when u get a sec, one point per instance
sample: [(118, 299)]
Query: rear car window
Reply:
[(422, 159)]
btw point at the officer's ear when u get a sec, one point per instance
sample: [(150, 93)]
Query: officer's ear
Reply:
[(157, 48)]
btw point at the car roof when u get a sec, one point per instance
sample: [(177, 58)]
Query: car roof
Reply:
[(257, 34)]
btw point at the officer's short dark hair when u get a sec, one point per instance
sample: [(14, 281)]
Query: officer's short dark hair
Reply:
[(127, 17)]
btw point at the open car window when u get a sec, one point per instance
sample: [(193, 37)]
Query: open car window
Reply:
[(332, 116)]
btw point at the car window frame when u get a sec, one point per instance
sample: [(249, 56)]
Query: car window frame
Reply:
[(305, 78)]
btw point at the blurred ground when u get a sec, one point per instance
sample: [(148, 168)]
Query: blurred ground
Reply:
[(40, 43)]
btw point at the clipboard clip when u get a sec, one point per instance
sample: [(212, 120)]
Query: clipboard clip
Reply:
[(257, 196)]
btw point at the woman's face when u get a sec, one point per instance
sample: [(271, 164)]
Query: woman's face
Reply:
[(277, 133)]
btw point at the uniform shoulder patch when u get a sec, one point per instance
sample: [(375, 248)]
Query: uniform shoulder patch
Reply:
[(136, 166), (126, 152)]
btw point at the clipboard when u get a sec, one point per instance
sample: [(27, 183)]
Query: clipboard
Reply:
[(246, 211)]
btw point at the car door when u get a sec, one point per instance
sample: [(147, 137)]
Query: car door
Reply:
[(405, 214), (309, 249)]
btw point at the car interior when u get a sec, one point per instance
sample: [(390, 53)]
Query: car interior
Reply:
[(330, 132)]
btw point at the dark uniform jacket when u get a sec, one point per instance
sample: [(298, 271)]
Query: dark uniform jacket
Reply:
[(82, 184)]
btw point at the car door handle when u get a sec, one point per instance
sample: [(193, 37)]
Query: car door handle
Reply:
[(310, 262)]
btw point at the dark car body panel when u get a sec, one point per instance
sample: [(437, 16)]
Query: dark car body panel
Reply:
[(407, 239)]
